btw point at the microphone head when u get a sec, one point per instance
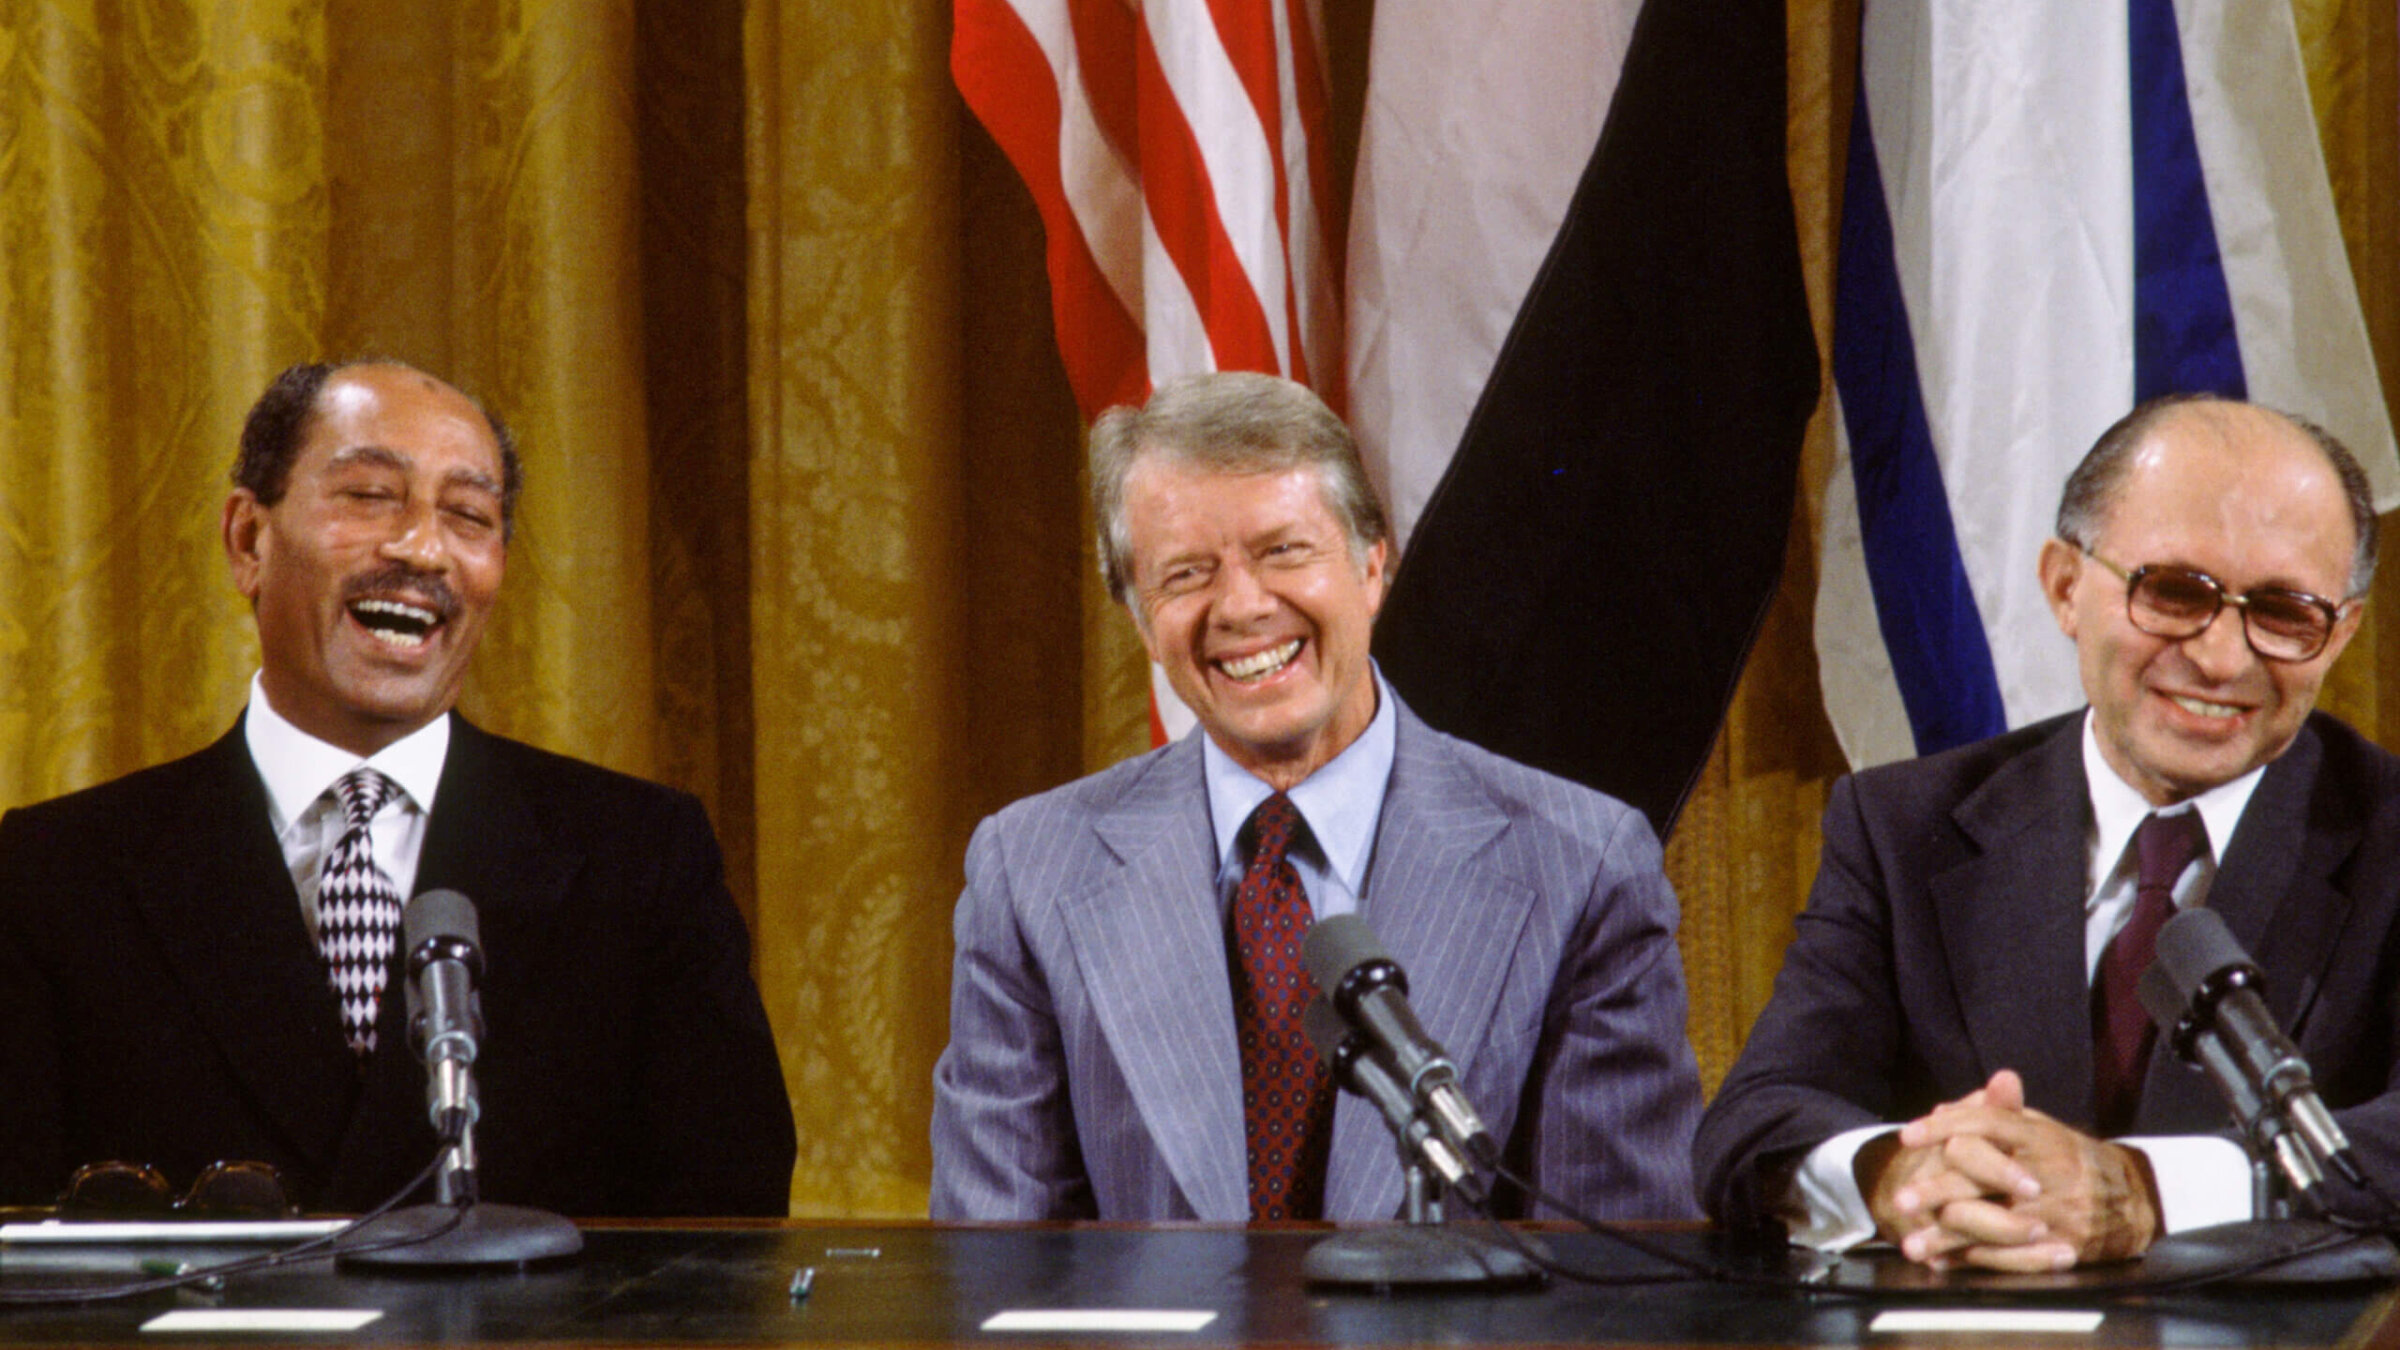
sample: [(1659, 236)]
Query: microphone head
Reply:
[(439, 914), (2195, 945), (434, 926), (437, 926), (1325, 1027), (1334, 947), (2159, 996)]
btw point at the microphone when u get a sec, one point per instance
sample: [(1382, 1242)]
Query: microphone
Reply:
[(445, 1023), (2267, 1131), (2204, 991), (445, 1014), (1370, 991), (1355, 1066)]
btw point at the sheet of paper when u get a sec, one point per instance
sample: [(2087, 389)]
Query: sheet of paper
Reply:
[(179, 1230), (262, 1319), (2052, 1322), (1097, 1319)]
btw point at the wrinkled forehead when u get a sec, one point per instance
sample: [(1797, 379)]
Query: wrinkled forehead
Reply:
[(399, 414), (2232, 477)]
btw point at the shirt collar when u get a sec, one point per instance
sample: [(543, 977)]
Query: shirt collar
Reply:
[(2118, 810), (1342, 801), (298, 768)]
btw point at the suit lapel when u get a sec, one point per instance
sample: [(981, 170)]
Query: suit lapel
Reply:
[(1150, 946), (1450, 919), (2274, 890), (2012, 923), (487, 841), (213, 885)]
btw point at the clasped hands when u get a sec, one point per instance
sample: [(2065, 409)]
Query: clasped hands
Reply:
[(1987, 1181)]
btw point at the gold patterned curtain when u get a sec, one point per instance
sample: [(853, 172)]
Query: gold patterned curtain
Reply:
[(803, 531)]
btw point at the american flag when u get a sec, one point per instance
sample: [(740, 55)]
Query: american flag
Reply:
[(1175, 150)]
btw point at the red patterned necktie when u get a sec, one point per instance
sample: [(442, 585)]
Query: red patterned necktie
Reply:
[(2122, 1031), (358, 908), (1287, 1096)]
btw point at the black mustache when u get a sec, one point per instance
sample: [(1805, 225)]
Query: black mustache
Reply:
[(405, 585)]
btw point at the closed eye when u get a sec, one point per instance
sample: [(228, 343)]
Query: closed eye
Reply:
[(1181, 579)]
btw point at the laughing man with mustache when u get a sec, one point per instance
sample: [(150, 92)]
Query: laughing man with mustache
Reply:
[(174, 988)]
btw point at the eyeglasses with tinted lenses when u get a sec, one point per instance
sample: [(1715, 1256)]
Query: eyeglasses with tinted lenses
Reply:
[(2280, 624), (225, 1190)]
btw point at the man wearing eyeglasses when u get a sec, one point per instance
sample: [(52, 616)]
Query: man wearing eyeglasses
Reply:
[(1953, 1059)]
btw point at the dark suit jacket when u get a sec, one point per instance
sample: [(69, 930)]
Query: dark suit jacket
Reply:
[(1092, 1070), (160, 1000), (1944, 941)]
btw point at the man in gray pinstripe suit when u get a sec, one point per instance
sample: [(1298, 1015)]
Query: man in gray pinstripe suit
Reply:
[(1093, 1069)]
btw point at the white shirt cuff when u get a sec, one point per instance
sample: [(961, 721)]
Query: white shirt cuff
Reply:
[(1825, 1209), (2203, 1179)]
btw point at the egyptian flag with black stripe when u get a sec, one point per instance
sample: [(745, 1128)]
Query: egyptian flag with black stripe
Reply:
[(1594, 534)]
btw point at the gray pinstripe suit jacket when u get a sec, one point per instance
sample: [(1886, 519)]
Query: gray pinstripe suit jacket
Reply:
[(1091, 1070)]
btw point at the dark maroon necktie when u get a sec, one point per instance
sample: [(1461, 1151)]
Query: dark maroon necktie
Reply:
[(1287, 1096), (2122, 1031)]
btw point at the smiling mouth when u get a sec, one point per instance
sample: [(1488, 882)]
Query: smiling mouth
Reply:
[(396, 623), (2203, 708), (1260, 665)]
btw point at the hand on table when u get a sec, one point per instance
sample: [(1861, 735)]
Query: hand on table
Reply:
[(1987, 1181)]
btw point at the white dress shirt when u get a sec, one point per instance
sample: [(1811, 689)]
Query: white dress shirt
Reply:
[(300, 772), (2202, 1179)]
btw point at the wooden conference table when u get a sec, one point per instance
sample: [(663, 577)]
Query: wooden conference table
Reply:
[(931, 1285)]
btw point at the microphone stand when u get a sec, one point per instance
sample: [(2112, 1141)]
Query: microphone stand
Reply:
[(457, 1230), (2284, 1242), (1422, 1251)]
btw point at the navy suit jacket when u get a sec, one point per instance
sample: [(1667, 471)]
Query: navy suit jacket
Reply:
[(160, 1001), (1944, 941), (1092, 1071)]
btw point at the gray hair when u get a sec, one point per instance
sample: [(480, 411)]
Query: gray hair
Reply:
[(1228, 422), (2091, 490)]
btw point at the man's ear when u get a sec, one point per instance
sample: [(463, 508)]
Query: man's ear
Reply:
[(1377, 575), (2060, 567), (242, 528), (2345, 627)]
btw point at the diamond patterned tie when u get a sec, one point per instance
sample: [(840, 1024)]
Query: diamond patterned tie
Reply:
[(2122, 1031), (358, 909), (1287, 1096)]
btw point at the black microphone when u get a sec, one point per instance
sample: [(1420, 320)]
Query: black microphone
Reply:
[(1370, 991), (2204, 991), (2269, 1136), (445, 1014), (1355, 1066)]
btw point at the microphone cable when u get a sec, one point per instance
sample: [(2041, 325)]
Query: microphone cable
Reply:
[(324, 1244)]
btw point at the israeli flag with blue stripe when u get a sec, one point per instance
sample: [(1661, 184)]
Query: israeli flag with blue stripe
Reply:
[(2052, 209)]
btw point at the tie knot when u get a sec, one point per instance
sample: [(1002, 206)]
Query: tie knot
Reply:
[(1272, 826), (2165, 845), (364, 792)]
